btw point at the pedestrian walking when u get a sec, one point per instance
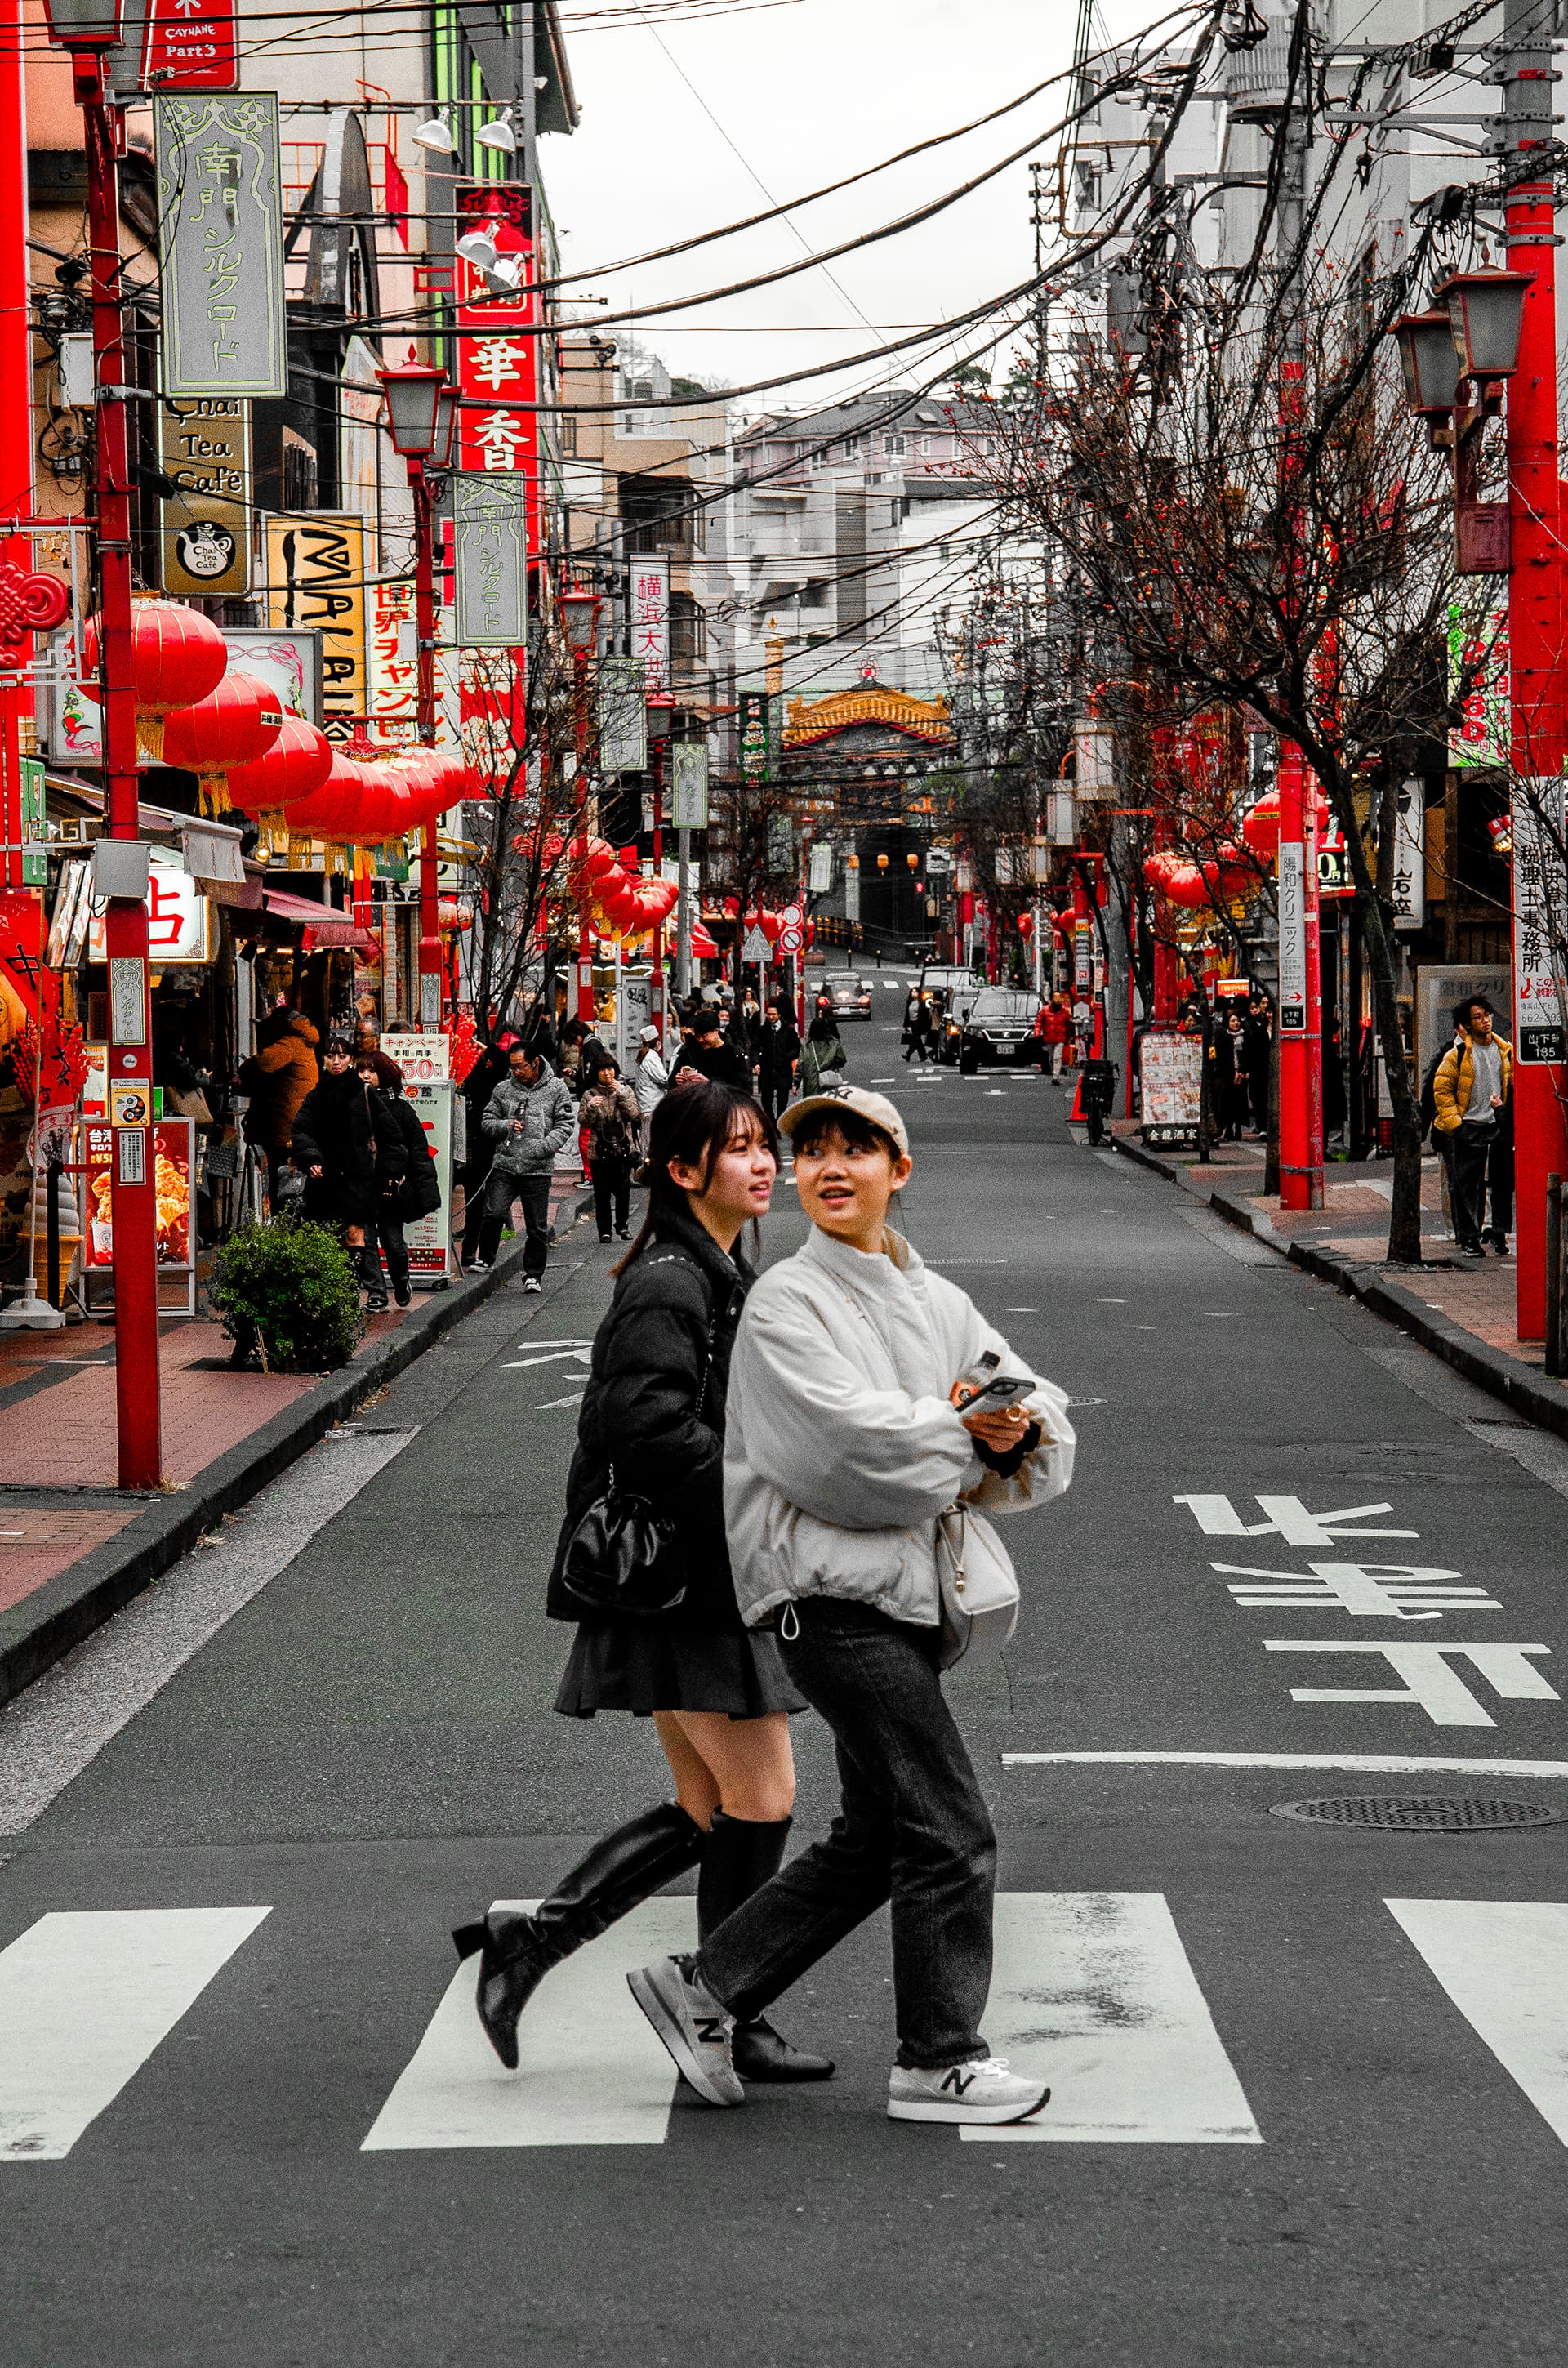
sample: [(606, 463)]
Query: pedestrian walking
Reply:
[(407, 1185), (334, 1142), (1052, 1028), (777, 1052), (916, 1027), (529, 1118), (846, 1453), (822, 1055), (711, 1057), (491, 1065), (1472, 1086), (368, 1047), (650, 1078), (1258, 1060), (614, 1126), (277, 1078), (644, 1570)]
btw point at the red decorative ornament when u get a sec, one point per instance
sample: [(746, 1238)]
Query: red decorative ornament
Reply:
[(295, 766), (234, 725), (29, 603), (177, 656)]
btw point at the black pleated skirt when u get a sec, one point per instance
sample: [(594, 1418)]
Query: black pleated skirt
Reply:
[(643, 1666)]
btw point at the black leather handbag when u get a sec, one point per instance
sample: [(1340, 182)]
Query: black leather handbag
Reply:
[(624, 1560)]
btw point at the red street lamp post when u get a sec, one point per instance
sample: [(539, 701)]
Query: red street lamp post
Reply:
[(89, 28), (422, 413), (580, 605)]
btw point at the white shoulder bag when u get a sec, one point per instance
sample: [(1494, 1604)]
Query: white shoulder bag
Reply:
[(980, 1589)]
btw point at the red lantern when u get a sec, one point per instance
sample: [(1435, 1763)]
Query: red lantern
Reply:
[(1261, 827), (234, 725), (332, 811), (177, 656), (295, 766)]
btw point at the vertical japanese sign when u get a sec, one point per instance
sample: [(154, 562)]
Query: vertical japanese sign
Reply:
[(1292, 937), (623, 716), (220, 209), (650, 605), (204, 446), (1484, 735), (392, 659), (491, 545), (755, 724), (35, 831), (1410, 857), (498, 342), (688, 771), (316, 577), (1540, 919)]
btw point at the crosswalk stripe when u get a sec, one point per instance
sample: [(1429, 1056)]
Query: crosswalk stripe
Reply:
[(1093, 1991), (1505, 1964), (85, 2000), (592, 2072)]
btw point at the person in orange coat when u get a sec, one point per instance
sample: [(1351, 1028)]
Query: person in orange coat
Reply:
[(279, 1075)]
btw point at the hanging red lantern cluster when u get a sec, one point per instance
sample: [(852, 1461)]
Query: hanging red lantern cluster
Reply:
[(1219, 880), (177, 657), (624, 905), (230, 730)]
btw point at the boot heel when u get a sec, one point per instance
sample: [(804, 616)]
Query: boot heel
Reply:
[(468, 1939)]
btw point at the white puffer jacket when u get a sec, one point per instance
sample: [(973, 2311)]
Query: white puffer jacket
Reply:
[(841, 1447)]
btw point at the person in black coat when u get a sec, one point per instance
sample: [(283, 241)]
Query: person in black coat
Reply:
[(406, 1185), (494, 1063), (654, 1410), (334, 1142), (712, 1056), (778, 1050)]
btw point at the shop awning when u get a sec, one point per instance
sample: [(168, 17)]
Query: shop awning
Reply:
[(322, 925), (702, 945)]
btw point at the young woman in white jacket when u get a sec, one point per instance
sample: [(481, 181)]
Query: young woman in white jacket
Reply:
[(844, 1446)]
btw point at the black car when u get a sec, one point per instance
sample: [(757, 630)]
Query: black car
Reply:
[(999, 1026), (850, 996)]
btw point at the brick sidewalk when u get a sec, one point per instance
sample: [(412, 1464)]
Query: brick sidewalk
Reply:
[(1476, 1295), (59, 1499)]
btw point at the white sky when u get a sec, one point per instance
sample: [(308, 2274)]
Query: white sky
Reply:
[(806, 92)]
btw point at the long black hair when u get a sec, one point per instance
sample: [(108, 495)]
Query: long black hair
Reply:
[(695, 1123)]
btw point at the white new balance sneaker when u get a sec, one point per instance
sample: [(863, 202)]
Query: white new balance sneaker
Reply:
[(983, 2091), (694, 2027)]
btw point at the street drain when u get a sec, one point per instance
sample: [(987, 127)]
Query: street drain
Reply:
[(1420, 1813)]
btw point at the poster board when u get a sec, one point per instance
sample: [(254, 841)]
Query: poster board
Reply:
[(1439, 986), (1171, 1069), (430, 1239), (174, 1170)]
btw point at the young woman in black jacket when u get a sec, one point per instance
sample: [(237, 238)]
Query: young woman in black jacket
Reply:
[(715, 1690), (406, 1184), (334, 1142)]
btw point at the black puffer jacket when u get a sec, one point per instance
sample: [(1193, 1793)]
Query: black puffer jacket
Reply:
[(639, 1411), (333, 1132), (405, 1166)]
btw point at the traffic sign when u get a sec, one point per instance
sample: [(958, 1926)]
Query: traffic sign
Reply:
[(755, 947), (791, 917), (791, 940)]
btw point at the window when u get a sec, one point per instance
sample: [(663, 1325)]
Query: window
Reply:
[(925, 444), (850, 449), (893, 447)]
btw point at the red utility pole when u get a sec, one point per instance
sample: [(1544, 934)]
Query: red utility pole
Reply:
[(585, 999), (423, 494), (1301, 991), (134, 1204), (1536, 588)]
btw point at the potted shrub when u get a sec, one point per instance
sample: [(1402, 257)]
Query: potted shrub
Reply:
[(286, 1292)]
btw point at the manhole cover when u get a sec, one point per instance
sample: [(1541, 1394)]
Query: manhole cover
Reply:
[(1420, 1813)]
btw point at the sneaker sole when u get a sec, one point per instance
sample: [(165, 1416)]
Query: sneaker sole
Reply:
[(911, 2109), (670, 2030)]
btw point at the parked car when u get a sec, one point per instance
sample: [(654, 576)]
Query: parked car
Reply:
[(851, 995), (999, 1026), (956, 1001)]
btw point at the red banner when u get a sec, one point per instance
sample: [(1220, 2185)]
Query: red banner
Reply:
[(498, 371), (189, 45)]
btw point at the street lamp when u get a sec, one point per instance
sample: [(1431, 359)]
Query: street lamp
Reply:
[(89, 30), (1485, 311), (1429, 363), (422, 411), (580, 605)]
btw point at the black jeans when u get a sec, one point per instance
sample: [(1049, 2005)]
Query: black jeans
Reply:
[(500, 1190), (1500, 1184), (386, 1233), (475, 1175), (612, 1186), (911, 1826), (1469, 1149)]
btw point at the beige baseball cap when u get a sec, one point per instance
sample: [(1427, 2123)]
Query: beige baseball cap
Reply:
[(874, 1107)]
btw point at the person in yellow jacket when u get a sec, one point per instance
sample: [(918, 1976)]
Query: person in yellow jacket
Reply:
[(1471, 1093)]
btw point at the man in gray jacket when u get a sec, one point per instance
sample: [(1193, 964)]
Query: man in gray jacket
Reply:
[(529, 1118)]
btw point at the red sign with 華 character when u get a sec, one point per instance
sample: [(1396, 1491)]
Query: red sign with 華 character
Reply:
[(189, 45), (499, 373)]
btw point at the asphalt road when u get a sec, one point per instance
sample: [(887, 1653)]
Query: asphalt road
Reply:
[(1309, 2098)]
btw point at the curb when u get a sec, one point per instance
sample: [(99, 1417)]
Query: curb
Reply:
[(1490, 1368), (47, 1624)]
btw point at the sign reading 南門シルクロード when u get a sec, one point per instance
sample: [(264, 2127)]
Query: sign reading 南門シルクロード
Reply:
[(491, 541), (220, 207)]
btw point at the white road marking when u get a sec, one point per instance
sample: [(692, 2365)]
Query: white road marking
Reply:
[(592, 2072), (1093, 1992), (1359, 1763), (84, 1999), (1431, 1682), (548, 1406), (1505, 1964), (580, 1350), (51, 1732)]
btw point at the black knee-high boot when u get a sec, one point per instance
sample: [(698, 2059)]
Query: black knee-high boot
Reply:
[(627, 1866), (739, 1855)]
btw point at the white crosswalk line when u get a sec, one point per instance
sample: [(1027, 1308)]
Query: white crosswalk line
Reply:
[(84, 1999), (1505, 1964), (1093, 1991), (592, 2072)]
